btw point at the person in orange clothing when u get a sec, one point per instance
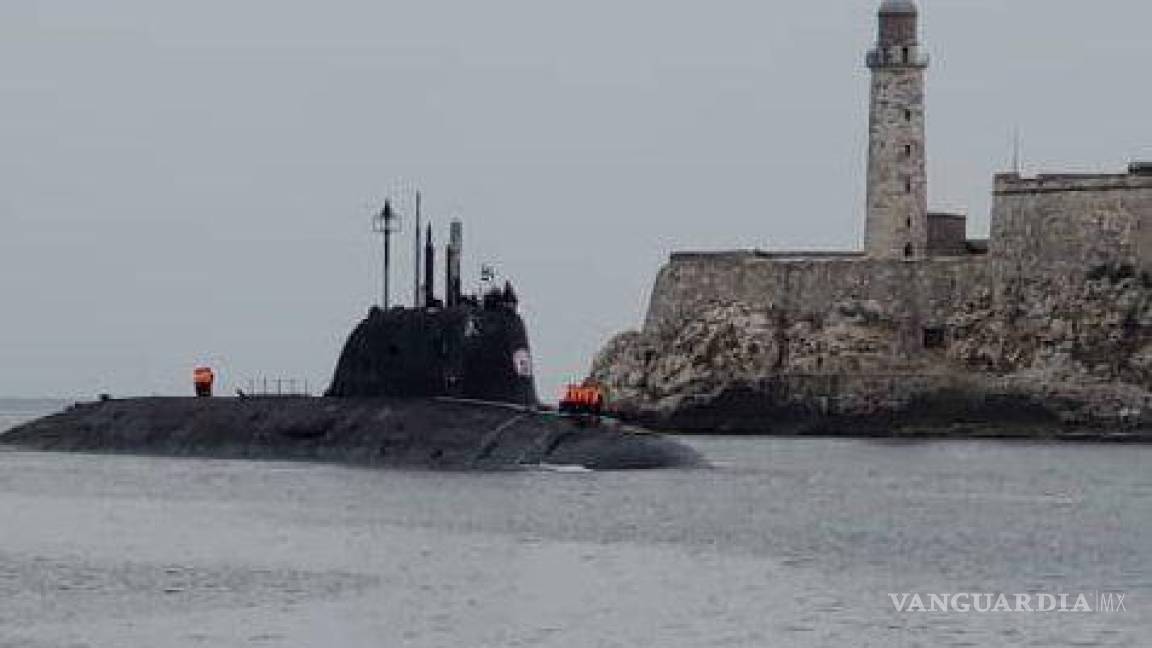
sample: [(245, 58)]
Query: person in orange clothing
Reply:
[(202, 378), (597, 401)]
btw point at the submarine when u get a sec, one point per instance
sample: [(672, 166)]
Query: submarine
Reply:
[(444, 384)]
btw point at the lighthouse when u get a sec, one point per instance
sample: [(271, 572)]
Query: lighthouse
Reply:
[(897, 220)]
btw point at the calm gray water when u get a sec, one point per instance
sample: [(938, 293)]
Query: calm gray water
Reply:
[(786, 543)]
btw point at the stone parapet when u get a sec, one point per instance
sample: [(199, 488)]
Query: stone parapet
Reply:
[(1014, 183)]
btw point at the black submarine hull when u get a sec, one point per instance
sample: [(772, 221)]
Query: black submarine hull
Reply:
[(432, 433)]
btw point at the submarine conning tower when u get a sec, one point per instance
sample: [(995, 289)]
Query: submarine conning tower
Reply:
[(467, 346)]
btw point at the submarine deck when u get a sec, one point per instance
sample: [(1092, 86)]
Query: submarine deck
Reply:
[(431, 433)]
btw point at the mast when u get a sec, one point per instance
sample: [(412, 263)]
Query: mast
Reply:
[(416, 301), (454, 251), (385, 223), (429, 269)]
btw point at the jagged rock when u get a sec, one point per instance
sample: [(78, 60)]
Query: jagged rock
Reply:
[(1076, 351)]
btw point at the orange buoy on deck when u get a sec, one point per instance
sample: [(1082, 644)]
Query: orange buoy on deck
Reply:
[(202, 378)]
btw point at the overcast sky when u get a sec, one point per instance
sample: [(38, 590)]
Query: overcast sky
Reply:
[(187, 182)]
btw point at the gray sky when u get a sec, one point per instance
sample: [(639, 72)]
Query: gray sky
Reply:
[(186, 182)]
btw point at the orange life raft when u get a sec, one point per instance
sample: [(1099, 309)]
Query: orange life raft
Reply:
[(579, 399)]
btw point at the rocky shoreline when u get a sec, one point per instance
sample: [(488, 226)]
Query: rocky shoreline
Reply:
[(946, 415)]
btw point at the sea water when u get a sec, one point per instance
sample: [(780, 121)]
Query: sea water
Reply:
[(787, 542)]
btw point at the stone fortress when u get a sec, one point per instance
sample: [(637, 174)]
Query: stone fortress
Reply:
[(1052, 315)]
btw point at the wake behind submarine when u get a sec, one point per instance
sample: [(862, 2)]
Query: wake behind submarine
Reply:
[(443, 384)]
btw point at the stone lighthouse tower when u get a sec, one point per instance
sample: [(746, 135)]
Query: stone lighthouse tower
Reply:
[(897, 224)]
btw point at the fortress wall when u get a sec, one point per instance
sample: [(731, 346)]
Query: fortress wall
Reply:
[(1047, 226), (1047, 234), (1069, 224), (689, 281), (921, 293)]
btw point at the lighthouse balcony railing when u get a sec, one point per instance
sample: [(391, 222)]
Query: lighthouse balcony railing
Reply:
[(898, 57)]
